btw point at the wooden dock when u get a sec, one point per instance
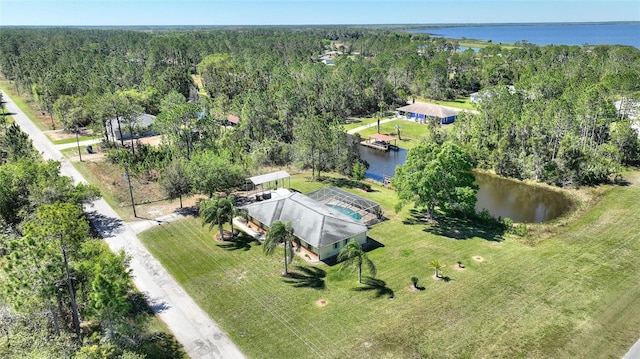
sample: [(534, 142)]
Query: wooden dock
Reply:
[(381, 142), (376, 145)]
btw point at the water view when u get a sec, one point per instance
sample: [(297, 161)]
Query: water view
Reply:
[(382, 163), (547, 34), (501, 197), (518, 201)]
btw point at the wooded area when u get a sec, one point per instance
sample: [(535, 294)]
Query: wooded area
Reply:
[(557, 123)]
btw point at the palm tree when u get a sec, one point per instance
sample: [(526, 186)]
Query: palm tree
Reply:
[(397, 128), (352, 254), (278, 233), (436, 265), (216, 210)]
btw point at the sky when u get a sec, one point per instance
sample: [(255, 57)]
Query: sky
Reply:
[(308, 12)]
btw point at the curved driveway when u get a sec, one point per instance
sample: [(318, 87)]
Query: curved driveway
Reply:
[(199, 335)]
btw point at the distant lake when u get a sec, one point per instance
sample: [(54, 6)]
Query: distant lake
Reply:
[(546, 34)]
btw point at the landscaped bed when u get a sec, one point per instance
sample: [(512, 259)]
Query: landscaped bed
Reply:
[(574, 294)]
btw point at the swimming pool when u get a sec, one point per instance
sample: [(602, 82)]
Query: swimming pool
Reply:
[(347, 211)]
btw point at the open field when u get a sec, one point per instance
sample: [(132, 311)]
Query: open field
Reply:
[(573, 295), (461, 103)]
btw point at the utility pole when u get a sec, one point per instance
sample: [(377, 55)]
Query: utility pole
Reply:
[(133, 204), (78, 143)]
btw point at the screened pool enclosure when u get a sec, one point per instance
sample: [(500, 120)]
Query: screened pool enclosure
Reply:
[(366, 211)]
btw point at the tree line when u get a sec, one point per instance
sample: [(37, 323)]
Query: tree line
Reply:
[(546, 111)]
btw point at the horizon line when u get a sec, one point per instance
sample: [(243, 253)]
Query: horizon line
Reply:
[(325, 25)]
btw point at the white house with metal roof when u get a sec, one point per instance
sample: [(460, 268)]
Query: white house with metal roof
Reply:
[(323, 230)]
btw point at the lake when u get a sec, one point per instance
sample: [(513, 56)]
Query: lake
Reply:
[(502, 197), (627, 33)]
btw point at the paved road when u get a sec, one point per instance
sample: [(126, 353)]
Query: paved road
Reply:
[(199, 335), (634, 352)]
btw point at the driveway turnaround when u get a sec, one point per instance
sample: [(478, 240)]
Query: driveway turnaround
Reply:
[(199, 335)]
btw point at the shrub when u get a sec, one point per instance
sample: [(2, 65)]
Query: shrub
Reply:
[(508, 224), (519, 229), (358, 170)]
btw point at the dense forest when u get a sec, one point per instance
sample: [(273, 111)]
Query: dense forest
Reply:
[(546, 113)]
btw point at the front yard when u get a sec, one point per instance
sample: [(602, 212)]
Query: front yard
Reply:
[(574, 294)]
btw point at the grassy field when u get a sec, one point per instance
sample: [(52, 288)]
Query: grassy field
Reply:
[(411, 132), (73, 140), (573, 295), (462, 103)]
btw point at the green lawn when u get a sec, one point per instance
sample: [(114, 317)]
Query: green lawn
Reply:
[(411, 132), (353, 123), (73, 140), (573, 295), (362, 121), (462, 103)]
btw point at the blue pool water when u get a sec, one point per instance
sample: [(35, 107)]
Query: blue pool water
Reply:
[(346, 211)]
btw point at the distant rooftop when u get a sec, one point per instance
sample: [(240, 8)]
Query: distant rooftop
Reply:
[(431, 110)]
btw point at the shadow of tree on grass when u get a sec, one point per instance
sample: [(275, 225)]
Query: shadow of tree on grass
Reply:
[(344, 182), (456, 226), (307, 277), (378, 286), (241, 242)]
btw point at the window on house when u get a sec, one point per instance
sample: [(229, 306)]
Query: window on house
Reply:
[(346, 241), (335, 245)]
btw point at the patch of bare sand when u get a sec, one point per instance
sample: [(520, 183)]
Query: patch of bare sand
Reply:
[(478, 259), (322, 302), (162, 208), (153, 140), (89, 157)]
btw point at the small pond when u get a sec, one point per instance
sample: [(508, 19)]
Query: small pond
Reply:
[(501, 197), (519, 201)]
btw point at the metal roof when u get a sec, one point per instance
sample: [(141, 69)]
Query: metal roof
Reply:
[(430, 110), (381, 137), (313, 222), (142, 120), (268, 177)]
